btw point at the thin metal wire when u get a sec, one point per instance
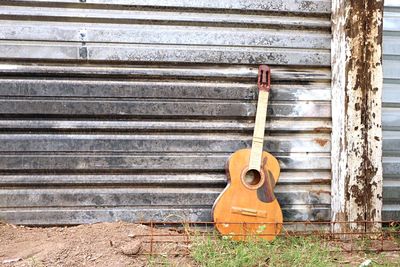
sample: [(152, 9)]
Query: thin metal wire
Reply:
[(183, 237), (151, 237), (391, 223)]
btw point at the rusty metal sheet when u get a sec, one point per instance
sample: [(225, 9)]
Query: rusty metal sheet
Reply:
[(128, 110)]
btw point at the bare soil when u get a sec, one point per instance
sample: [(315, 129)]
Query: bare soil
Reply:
[(101, 244)]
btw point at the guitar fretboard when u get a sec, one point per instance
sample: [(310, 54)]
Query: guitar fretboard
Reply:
[(259, 128)]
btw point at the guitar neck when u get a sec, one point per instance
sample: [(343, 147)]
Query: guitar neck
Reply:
[(259, 128)]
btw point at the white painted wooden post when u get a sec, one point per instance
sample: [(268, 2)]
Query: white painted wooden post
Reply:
[(356, 113)]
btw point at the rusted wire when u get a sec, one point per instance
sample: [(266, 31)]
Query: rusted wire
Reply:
[(183, 237), (285, 223)]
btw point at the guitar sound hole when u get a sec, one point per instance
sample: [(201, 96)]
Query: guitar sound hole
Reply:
[(252, 177)]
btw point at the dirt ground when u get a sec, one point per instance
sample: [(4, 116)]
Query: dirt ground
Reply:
[(102, 244), (118, 244)]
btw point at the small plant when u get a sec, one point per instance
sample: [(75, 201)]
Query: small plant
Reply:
[(159, 260), (33, 262), (364, 243), (394, 232)]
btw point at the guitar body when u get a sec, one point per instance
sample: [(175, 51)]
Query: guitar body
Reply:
[(248, 206)]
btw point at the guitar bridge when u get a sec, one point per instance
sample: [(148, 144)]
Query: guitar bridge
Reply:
[(249, 212)]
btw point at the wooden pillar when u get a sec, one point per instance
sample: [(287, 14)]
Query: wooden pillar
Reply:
[(356, 113)]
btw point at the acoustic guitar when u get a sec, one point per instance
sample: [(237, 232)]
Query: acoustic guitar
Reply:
[(248, 206)]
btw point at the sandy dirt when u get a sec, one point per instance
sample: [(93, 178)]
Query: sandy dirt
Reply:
[(102, 244)]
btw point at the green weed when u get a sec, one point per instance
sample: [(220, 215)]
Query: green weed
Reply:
[(159, 260), (394, 232)]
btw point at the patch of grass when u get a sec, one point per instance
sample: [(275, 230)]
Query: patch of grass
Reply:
[(33, 262), (394, 232), (363, 243), (159, 260), (283, 251)]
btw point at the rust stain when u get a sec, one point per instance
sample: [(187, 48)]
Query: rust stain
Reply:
[(318, 192), (322, 130), (320, 181), (320, 141)]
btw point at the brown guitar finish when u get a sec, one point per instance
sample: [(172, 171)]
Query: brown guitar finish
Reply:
[(241, 205), (248, 207)]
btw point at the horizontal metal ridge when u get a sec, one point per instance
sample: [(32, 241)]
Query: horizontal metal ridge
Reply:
[(137, 197), (74, 215), (391, 191), (390, 67), (391, 95), (390, 118), (162, 53), (85, 88), (164, 72), (165, 178), (391, 20), (390, 43), (322, 7), (137, 162), (391, 166), (162, 34), (152, 109), (158, 143), (391, 3), (132, 126)]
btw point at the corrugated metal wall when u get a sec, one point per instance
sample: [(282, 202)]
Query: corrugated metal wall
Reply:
[(128, 110), (391, 111)]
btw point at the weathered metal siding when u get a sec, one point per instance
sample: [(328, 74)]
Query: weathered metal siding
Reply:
[(128, 110), (391, 111)]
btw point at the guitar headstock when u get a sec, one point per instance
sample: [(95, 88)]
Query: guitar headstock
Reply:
[(264, 78)]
